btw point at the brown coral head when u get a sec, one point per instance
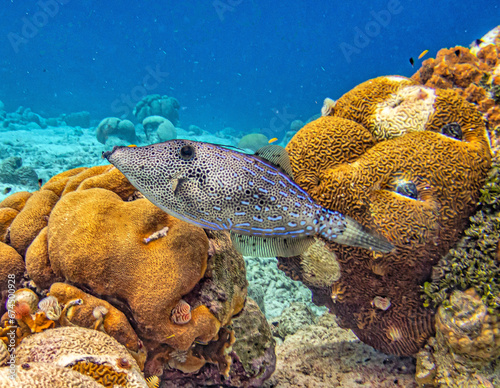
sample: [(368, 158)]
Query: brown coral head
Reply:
[(181, 313)]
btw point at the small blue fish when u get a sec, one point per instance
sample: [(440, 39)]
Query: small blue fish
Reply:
[(252, 196)]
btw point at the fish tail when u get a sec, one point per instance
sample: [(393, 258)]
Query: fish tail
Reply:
[(334, 226)]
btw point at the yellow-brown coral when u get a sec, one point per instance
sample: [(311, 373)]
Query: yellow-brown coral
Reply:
[(89, 352), (467, 327), (417, 189), (115, 322), (472, 72)]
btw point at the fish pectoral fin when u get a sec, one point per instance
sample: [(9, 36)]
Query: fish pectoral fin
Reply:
[(270, 246), (176, 182), (278, 156)]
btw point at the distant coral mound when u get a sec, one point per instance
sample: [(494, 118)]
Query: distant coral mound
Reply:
[(156, 105)]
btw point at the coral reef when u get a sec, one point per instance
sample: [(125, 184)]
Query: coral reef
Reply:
[(86, 351), (405, 179), (113, 126), (324, 355), (166, 131), (474, 260), (128, 289), (467, 327), (249, 354), (114, 322), (156, 105), (466, 345), (43, 375), (13, 172), (292, 319), (77, 119), (392, 106), (253, 141), (472, 72)]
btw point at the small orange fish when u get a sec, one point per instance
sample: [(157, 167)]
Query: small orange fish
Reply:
[(422, 54), (132, 145), (272, 140)]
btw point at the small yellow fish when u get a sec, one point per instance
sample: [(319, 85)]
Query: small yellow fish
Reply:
[(132, 145), (422, 54), (272, 140)]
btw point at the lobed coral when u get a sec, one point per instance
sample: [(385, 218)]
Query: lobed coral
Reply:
[(128, 289), (474, 73), (113, 126), (413, 181), (156, 105)]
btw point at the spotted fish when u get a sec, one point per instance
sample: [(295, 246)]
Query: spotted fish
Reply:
[(252, 196)]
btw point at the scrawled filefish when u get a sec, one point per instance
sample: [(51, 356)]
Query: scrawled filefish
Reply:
[(252, 196)]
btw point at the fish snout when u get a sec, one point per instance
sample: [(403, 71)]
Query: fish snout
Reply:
[(107, 154)]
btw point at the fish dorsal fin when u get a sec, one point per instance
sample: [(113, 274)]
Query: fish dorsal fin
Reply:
[(278, 156), (270, 246)]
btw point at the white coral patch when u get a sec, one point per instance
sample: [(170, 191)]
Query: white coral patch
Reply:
[(407, 110)]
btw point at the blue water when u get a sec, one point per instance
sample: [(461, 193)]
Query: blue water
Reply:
[(241, 63)]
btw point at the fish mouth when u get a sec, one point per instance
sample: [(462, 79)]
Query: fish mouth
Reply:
[(107, 154)]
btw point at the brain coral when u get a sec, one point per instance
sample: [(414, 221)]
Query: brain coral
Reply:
[(474, 73), (391, 106), (89, 352), (42, 375), (416, 189)]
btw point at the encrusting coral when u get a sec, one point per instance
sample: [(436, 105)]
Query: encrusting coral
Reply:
[(466, 346), (414, 182), (474, 73)]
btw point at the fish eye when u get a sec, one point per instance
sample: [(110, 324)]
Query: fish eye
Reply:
[(186, 152)]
